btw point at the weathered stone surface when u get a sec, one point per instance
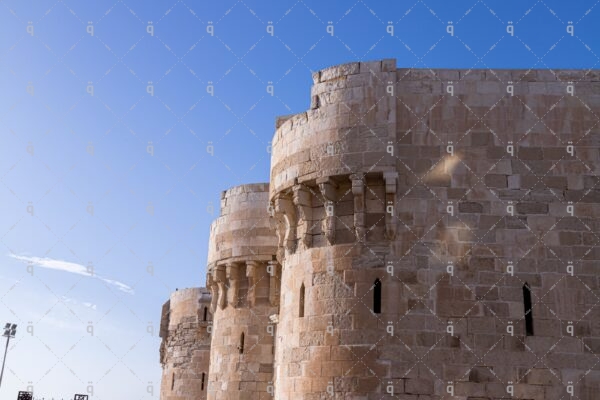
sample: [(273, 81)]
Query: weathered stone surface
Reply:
[(470, 207), (186, 344), (405, 214), (496, 181), (532, 208)]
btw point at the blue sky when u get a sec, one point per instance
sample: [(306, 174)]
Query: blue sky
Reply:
[(77, 175)]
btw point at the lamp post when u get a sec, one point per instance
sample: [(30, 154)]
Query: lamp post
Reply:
[(9, 332)]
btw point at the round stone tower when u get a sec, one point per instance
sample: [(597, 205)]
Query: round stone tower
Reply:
[(332, 177), (243, 277), (185, 348)]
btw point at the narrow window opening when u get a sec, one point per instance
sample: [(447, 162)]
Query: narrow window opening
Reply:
[(173, 382), (301, 306), (241, 346), (528, 309), (377, 297), (205, 313), (202, 383)]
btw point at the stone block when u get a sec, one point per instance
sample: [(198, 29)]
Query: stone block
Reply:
[(532, 208), (470, 207), (339, 71), (418, 386), (481, 263), (555, 153), (555, 182), (368, 67), (496, 152), (496, 181), (514, 181), (481, 138), (569, 238), (530, 153), (388, 65), (541, 376), (457, 308)]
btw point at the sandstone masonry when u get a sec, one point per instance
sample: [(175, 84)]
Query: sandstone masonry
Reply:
[(425, 235), (185, 348)]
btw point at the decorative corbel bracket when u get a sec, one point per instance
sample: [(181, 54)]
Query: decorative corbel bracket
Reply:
[(284, 207), (251, 273), (231, 274), (390, 204), (358, 191), (302, 201), (214, 291), (327, 187), (280, 230), (219, 276), (274, 282)]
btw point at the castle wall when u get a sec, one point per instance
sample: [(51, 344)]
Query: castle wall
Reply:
[(185, 347), (426, 234), (476, 184), (244, 281)]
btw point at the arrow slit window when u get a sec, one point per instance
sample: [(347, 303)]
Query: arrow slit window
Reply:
[(528, 309), (301, 305), (377, 296)]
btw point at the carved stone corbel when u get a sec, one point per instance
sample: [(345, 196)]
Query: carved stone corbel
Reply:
[(302, 201), (251, 274), (390, 204), (358, 191), (284, 207), (214, 291), (274, 283), (232, 276), (279, 226), (219, 276), (327, 187)]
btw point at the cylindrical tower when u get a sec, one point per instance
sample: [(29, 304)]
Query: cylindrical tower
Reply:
[(185, 348), (333, 174), (243, 277)]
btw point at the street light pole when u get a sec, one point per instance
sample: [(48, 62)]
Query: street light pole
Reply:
[(10, 331)]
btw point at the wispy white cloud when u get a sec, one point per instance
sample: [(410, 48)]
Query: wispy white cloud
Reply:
[(85, 303), (90, 305), (73, 268)]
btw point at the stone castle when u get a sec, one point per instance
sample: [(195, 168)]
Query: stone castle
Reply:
[(425, 234)]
